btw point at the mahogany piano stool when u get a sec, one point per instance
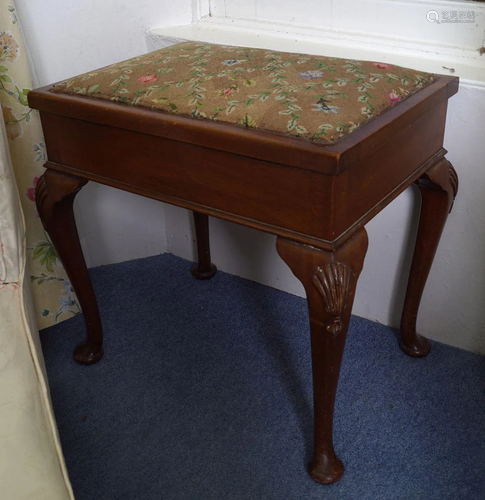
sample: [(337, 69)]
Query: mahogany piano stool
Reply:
[(307, 148)]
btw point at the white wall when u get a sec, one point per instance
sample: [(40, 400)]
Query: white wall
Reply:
[(66, 38)]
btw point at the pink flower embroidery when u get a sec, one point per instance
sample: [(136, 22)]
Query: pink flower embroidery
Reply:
[(228, 90), (382, 65), (147, 79), (30, 193), (393, 97)]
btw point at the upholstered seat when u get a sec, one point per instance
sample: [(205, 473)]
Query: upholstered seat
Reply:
[(319, 98)]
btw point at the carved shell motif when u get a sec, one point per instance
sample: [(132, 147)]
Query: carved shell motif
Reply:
[(41, 195), (454, 183), (453, 180), (333, 282)]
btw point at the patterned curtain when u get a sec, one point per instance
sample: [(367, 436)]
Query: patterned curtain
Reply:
[(53, 295)]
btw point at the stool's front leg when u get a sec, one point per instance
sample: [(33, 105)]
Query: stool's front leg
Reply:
[(438, 187), (54, 196), (204, 269), (329, 279)]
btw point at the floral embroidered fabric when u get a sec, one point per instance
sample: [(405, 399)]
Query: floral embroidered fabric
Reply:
[(319, 98), (52, 292)]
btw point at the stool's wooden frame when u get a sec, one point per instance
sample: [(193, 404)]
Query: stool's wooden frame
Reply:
[(315, 198)]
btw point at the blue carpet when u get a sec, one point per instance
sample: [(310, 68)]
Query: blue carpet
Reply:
[(204, 393)]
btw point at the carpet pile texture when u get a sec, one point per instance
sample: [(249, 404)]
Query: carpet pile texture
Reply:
[(204, 393)]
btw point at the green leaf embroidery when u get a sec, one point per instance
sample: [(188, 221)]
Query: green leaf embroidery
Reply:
[(247, 121), (94, 89), (291, 125)]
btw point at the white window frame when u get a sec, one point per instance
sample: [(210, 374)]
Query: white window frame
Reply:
[(398, 31)]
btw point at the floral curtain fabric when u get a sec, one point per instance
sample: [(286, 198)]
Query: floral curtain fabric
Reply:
[(53, 295)]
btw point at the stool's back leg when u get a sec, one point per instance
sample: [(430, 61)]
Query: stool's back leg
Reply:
[(204, 269), (438, 188), (54, 196), (329, 279)]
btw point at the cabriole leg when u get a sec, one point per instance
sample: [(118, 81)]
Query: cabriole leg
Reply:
[(329, 279), (203, 269), (54, 196), (438, 187)]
